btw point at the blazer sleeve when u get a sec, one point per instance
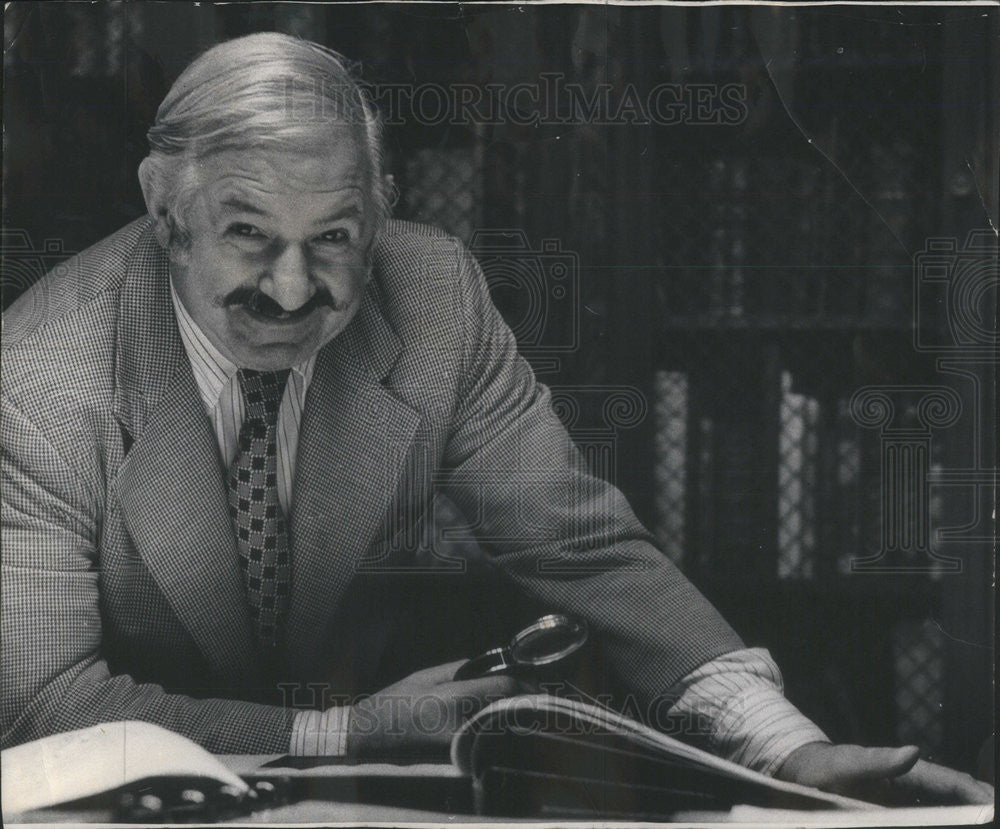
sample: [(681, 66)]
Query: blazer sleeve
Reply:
[(561, 535), (53, 676)]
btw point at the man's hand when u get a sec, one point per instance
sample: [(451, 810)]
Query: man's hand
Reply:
[(419, 714), (890, 776)]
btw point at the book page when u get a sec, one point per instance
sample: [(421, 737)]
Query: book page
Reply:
[(92, 760), (504, 714)]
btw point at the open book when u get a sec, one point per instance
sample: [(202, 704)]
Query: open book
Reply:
[(525, 756), (128, 757), (548, 756)]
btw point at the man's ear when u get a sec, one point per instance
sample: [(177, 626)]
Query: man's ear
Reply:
[(156, 201)]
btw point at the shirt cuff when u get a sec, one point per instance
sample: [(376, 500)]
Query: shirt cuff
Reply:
[(739, 697), (320, 733)]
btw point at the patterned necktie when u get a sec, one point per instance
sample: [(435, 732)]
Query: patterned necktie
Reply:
[(261, 534)]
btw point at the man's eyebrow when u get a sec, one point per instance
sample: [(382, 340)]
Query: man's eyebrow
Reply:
[(236, 203), (350, 211)]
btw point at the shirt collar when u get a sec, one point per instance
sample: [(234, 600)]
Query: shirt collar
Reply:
[(213, 371)]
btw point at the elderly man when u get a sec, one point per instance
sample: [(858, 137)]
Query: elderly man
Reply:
[(209, 416)]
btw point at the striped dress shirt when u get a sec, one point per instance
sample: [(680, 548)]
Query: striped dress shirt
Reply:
[(738, 697), (215, 375), (313, 732)]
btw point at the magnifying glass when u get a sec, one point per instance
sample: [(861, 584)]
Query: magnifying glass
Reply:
[(545, 641)]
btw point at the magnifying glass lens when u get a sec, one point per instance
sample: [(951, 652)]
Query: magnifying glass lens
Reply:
[(541, 644), (547, 640)]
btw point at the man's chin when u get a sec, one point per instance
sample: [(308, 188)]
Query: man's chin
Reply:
[(272, 347), (275, 357)]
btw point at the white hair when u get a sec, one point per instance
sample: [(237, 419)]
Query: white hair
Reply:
[(266, 89)]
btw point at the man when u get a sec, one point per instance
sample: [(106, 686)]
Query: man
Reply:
[(215, 416)]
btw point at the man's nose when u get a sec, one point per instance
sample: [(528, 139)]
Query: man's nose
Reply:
[(288, 283)]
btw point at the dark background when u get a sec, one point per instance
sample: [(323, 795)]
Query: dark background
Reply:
[(731, 286)]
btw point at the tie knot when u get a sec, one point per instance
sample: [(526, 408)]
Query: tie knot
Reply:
[(262, 391)]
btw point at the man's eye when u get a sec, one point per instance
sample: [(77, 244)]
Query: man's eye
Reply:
[(245, 230), (336, 237)]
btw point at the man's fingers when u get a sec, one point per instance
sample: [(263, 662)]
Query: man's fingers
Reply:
[(529, 685), (487, 688), (439, 674), (846, 768), (929, 782), (894, 776), (857, 763)]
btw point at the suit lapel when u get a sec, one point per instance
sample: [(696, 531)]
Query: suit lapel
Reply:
[(171, 486), (354, 441)]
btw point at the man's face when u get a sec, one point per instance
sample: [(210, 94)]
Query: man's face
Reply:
[(277, 257)]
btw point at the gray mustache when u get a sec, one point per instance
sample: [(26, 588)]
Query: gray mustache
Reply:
[(262, 304)]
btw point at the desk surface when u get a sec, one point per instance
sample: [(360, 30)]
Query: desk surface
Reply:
[(349, 811)]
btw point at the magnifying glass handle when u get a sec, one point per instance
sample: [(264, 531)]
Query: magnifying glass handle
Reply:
[(494, 661)]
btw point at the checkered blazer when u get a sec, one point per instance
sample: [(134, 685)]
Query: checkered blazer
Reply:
[(122, 595)]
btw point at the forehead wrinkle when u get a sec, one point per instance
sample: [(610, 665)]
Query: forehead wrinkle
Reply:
[(342, 201), (256, 178), (236, 187), (316, 208)]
